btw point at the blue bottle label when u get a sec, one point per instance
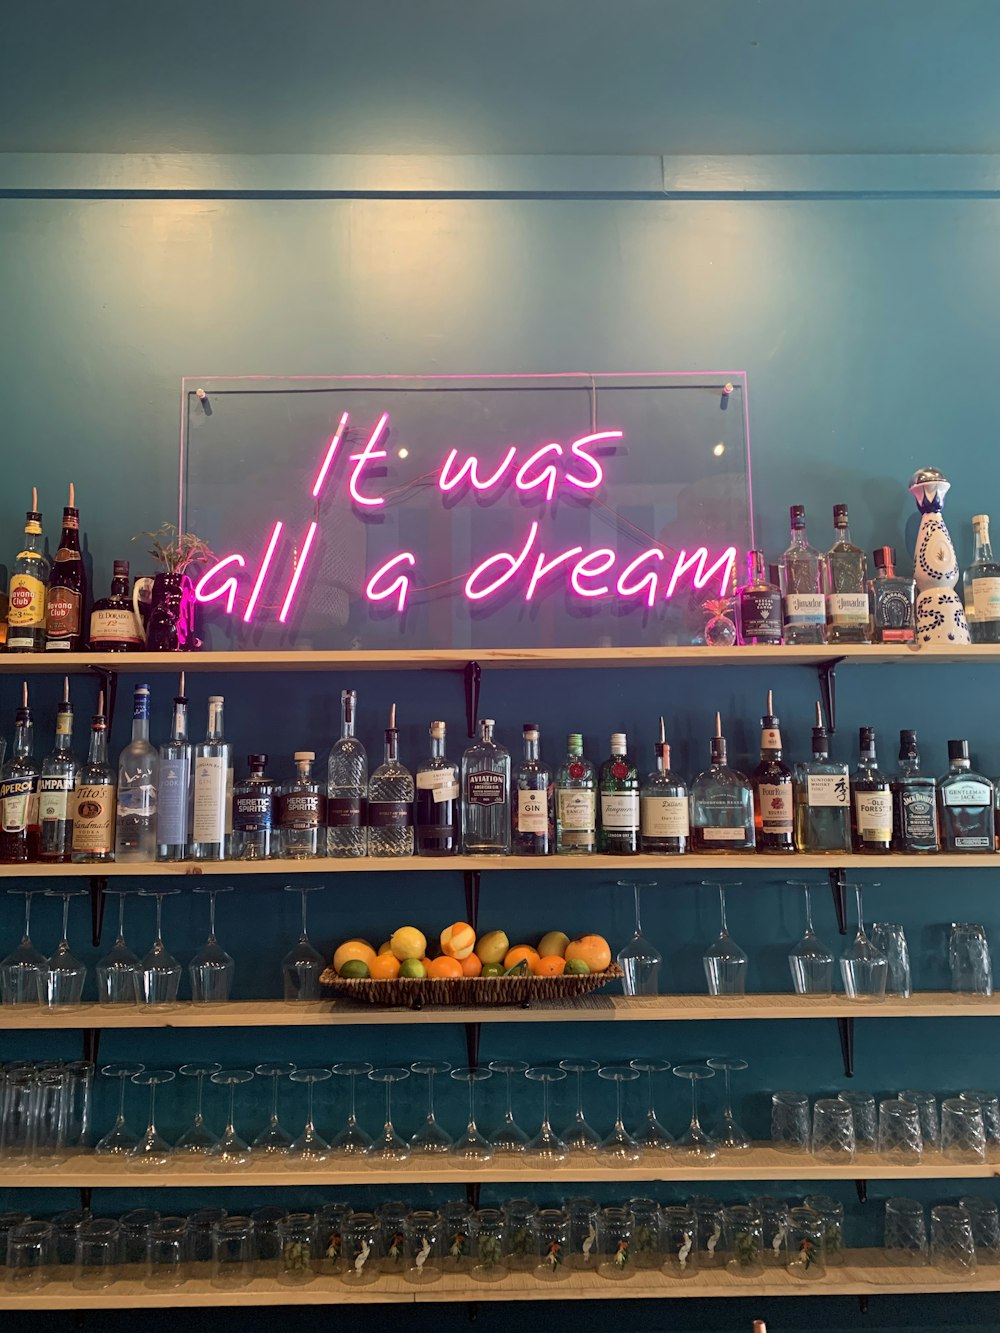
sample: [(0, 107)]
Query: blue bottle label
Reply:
[(172, 807)]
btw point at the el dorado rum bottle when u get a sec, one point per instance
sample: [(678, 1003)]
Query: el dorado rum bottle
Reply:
[(113, 624), (65, 614)]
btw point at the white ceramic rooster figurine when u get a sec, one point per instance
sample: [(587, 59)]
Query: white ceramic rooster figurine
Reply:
[(940, 615)]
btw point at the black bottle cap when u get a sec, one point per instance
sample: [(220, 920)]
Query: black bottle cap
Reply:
[(884, 556), (840, 516), (907, 742), (958, 750), (121, 569), (821, 737), (32, 516), (797, 513), (866, 737), (257, 760)]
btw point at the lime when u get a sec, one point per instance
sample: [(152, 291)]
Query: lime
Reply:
[(491, 970), (354, 969), (412, 967), (576, 967)]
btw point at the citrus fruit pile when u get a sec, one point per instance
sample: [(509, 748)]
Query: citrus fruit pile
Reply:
[(460, 954)]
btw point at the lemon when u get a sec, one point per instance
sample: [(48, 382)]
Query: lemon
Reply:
[(576, 967), (354, 969), (493, 946), (553, 945), (492, 970), (412, 967), (408, 942)]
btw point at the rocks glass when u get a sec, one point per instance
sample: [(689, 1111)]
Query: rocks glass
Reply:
[(905, 1233), (952, 1247), (744, 1240), (806, 1247), (615, 1235), (833, 1131), (790, 1121)]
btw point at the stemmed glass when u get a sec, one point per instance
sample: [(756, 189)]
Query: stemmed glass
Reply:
[(310, 1146), (152, 1149), (579, 1136), (471, 1146), (509, 1137), (546, 1146), (231, 1149), (302, 966), (652, 1137), (211, 969), (694, 1144), (863, 968), (273, 1140), (352, 1141), (60, 981), (159, 973), (638, 959), (198, 1138), (117, 969), (731, 1138), (619, 1146), (20, 971), (811, 962), (390, 1147), (430, 1137), (119, 1140), (724, 961)]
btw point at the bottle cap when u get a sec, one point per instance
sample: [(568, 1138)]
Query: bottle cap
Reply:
[(121, 569), (866, 737), (574, 742), (907, 736), (530, 726), (257, 760), (958, 749), (840, 516), (885, 557), (301, 755), (437, 730), (980, 518), (797, 513), (619, 741), (487, 722), (216, 699)]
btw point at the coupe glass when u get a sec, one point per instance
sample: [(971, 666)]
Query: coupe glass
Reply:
[(730, 1137), (231, 1149), (546, 1146), (273, 1140), (116, 970), (651, 1135), (638, 959), (619, 1147), (509, 1137), (430, 1137), (119, 1140), (694, 1144), (811, 962), (159, 973), (198, 1138), (152, 1150), (20, 971), (310, 1146), (211, 969), (579, 1137), (390, 1147), (864, 968), (471, 1146), (302, 966), (724, 961), (352, 1141), (60, 981)]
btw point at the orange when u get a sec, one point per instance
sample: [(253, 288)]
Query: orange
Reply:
[(385, 967), (471, 966), (459, 940), (593, 949), (351, 950), (519, 953), (444, 967), (552, 965)]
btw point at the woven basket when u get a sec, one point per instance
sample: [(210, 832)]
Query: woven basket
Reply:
[(411, 993)]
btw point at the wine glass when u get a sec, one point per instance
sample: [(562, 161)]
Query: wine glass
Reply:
[(811, 962), (231, 1149), (430, 1137), (651, 1136), (509, 1137), (152, 1149), (211, 969), (302, 966), (638, 959), (198, 1138), (116, 970), (159, 973), (694, 1144), (730, 1137), (619, 1146), (352, 1141), (310, 1146), (580, 1137), (546, 1146), (60, 981), (20, 971), (471, 1146), (390, 1147), (724, 961), (863, 968), (273, 1140), (119, 1140)]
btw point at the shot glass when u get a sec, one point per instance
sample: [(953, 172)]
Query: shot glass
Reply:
[(806, 1245), (166, 1253), (790, 1121), (200, 1225), (297, 1238), (233, 1252), (67, 1227), (905, 1233), (963, 1132), (865, 1114), (522, 1234), (953, 1250), (899, 1137), (265, 1234), (831, 1214), (392, 1218), (680, 1252), (744, 1240), (615, 1235), (833, 1131), (330, 1223), (985, 1218), (30, 1254), (98, 1242)]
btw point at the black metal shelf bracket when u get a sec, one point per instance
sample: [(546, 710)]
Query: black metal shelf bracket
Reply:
[(98, 899), (838, 887), (473, 1031), (91, 1044), (862, 1188), (473, 681), (845, 1027), (109, 684), (473, 881), (827, 672)]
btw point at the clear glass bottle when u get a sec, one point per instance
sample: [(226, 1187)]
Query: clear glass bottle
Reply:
[(390, 801), (486, 795), (663, 806), (19, 779), (56, 786), (892, 600), (982, 585), (94, 800), (965, 804), (532, 814), (721, 804), (773, 789), (212, 789), (254, 836), (846, 584), (871, 799), (29, 581), (759, 604), (914, 801), (301, 812), (803, 602), (619, 789), (576, 801), (437, 799), (173, 798), (347, 787), (135, 823), (822, 797)]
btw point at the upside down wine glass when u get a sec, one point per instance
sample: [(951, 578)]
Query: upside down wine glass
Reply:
[(117, 969), (638, 960), (509, 1137), (546, 1146), (731, 1138), (231, 1149), (198, 1138), (430, 1137), (302, 966), (724, 961), (694, 1144), (159, 973), (579, 1137), (273, 1140), (619, 1146), (863, 968), (810, 961), (651, 1135), (20, 970), (60, 981), (471, 1146), (152, 1149), (310, 1146), (390, 1147), (352, 1141), (211, 969), (119, 1140)]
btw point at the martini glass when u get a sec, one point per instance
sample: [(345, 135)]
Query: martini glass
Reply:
[(116, 970), (60, 981), (472, 1147), (730, 1138), (579, 1137), (546, 1146), (273, 1140), (152, 1149), (863, 968), (198, 1138), (20, 971), (352, 1141), (811, 962), (619, 1146), (159, 973), (390, 1147), (310, 1146), (638, 959), (724, 961), (430, 1137), (509, 1137), (119, 1140), (211, 969), (651, 1136), (231, 1149), (302, 966), (694, 1144)]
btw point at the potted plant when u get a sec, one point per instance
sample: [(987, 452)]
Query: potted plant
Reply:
[(170, 625)]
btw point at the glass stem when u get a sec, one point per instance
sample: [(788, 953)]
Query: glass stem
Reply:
[(388, 1109), (861, 923), (231, 1127), (722, 909), (198, 1117), (211, 916), (651, 1109), (121, 1101), (121, 918), (310, 1128), (618, 1105), (510, 1101), (351, 1117), (274, 1100), (728, 1111), (27, 917), (304, 896), (809, 910), (638, 925), (159, 919), (579, 1097), (152, 1110), (65, 934), (694, 1104), (430, 1099), (472, 1106), (545, 1104)]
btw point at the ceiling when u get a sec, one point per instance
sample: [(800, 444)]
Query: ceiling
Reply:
[(499, 76)]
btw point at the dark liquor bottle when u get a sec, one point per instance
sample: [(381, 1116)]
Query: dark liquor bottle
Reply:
[(29, 581), (19, 829), (437, 799), (532, 809), (94, 799), (892, 600), (663, 800), (773, 804), (113, 624), (65, 615), (965, 804), (721, 804), (759, 604), (619, 790), (914, 802), (871, 799), (56, 787)]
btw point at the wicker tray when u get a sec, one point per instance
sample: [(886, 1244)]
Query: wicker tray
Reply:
[(415, 994)]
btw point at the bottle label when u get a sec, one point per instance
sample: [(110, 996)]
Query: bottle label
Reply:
[(209, 821), (532, 812), (973, 842), (27, 602), (441, 782), (986, 597), (967, 792), (770, 739), (94, 819), (620, 809), (485, 788), (760, 615), (54, 793), (301, 810), (664, 817), (776, 807), (918, 816), (577, 811), (18, 797), (255, 814), (390, 814), (827, 789), (805, 608), (345, 812), (722, 833), (114, 626), (172, 801), (874, 814), (62, 617), (848, 608)]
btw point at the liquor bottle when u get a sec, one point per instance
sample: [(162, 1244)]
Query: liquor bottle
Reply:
[(390, 801), (94, 800), (4, 610), (982, 585), (29, 581), (773, 804), (533, 828), (804, 605), (437, 799), (619, 788), (914, 801), (721, 804), (173, 800), (253, 813), (965, 804), (135, 822), (19, 779), (822, 798), (576, 801), (301, 812), (759, 604), (56, 786), (663, 806), (212, 787), (846, 582), (113, 625), (65, 615), (892, 599), (347, 787), (871, 799), (486, 795)]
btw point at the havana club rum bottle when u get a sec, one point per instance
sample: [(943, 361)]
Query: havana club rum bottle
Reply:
[(65, 614)]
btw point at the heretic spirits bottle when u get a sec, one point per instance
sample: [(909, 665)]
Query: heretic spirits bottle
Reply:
[(663, 802), (871, 799), (914, 801), (619, 785), (982, 584), (56, 786), (253, 813), (390, 801), (486, 795), (965, 804), (576, 801), (437, 799), (302, 812), (173, 797), (532, 817), (846, 571), (212, 785), (804, 604), (19, 831), (135, 828), (721, 804), (759, 604), (822, 798), (773, 806), (347, 787), (94, 799)]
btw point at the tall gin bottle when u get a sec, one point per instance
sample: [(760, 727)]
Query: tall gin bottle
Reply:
[(173, 799), (965, 804), (822, 798), (94, 799), (804, 605), (619, 787), (486, 795), (871, 799), (390, 801), (347, 787), (302, 812), (254, 838), (29, 581), (982, 586), (721, 804), (914, 801), (56, 786), (19, 831), (663, 800), (212, 784), (846, 571), (437, 799), (135, 832), (576, 801), (532, 816), (773, 805)]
